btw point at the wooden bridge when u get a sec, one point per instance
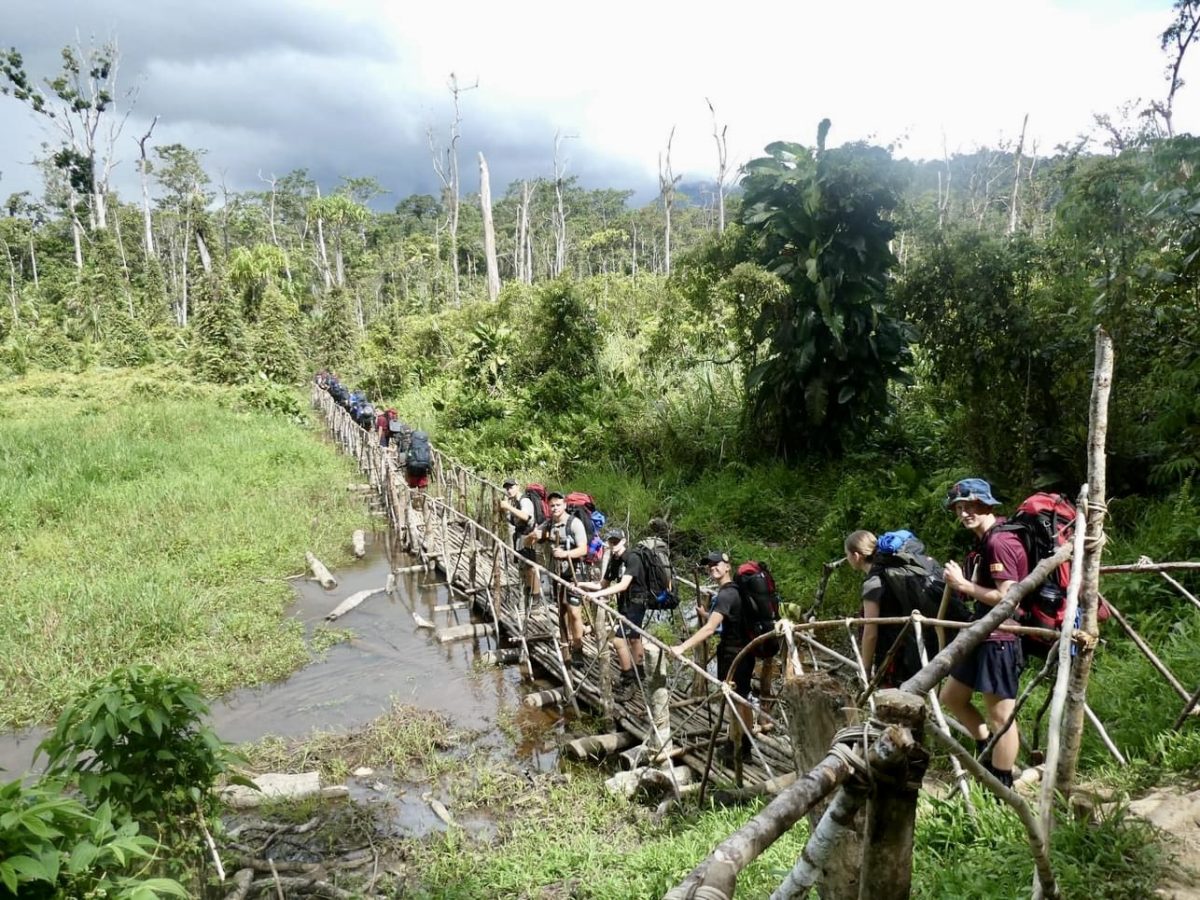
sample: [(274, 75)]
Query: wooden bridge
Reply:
[(455, 526)]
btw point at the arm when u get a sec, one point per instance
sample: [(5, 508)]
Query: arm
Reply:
[(707, 630), (870, 634), (958, 582), (618, 588)]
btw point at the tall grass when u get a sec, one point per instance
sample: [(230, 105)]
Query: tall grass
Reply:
[(149, 520)]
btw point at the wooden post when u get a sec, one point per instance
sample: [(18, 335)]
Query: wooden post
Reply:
[(1090, 593), (818, 707), (892, 804)]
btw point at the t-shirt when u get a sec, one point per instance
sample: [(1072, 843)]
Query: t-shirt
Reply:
[(728, 603), (381, 423), (567, 540), (999, 557), (630, 564), (526, 507)]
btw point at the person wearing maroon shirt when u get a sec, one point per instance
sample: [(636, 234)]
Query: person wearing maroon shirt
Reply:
[(381, 426), (993, 669)]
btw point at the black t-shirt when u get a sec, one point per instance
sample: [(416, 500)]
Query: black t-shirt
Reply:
[(630, 564), (728, 603)]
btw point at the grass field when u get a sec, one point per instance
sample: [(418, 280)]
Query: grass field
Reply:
[(147, 519)]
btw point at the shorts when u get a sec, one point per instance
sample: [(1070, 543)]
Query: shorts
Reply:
[(636, 613), (416, 481), (745, 669), (993, 668), (524, 552), (571, 597)]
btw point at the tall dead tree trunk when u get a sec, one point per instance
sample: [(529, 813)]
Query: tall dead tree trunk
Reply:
[(1012, 210), (722, 166), (489, 230), (1089, 600), (447, 172), (322, 250), (666, 188), (560, 209), (144, 169)]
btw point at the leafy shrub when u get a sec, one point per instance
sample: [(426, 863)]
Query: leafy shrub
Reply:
[(271, 397), (136, 740), (52, 846)]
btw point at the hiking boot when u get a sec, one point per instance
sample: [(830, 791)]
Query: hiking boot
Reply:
[(625, 690), (578, 660)]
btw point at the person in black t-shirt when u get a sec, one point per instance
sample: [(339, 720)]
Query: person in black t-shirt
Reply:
[(624, 576), (726, 614)]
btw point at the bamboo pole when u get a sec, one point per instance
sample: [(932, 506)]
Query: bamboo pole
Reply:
[(1150, 655), (1090, 590), (1062, 680)]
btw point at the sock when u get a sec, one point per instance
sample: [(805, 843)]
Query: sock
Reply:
[(979, 745)]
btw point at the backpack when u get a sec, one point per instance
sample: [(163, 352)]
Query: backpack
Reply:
[(1044, 522), (911, 580), (420, 455), (404, 437), (366, 416), (583, 507), (541, 506), (395, 427), (660, 574), (760, 604)]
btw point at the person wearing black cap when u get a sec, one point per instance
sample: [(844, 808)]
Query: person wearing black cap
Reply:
[(993, 669), (521, 515), (625, 576), (726, 614)]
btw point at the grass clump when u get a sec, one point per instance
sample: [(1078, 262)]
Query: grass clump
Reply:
[(150, 520)]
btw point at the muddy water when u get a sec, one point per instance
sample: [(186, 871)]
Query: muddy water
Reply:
[(388, 660)]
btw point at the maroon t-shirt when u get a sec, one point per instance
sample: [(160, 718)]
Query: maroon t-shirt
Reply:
[(381, 423), (999, 557)]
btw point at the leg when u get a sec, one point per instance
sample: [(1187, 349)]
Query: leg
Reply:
[(637, 651), (1004, 752), (956, 697), (624, 661)]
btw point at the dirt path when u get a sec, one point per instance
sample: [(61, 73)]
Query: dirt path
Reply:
[(1176, 811)]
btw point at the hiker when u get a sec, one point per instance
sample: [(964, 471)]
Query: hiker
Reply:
[(522, 508), (568, 547), (900, 578), (418, 461), (381, 425), (625, 576), (993, 669), (726, 614)]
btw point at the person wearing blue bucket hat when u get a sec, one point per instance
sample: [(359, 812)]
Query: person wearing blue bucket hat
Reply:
[(993, 669)]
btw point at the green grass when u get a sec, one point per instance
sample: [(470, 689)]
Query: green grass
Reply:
[(146, 519)]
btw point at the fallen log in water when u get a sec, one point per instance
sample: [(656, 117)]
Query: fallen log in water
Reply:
[(349, 603), (503, 657), (597, 745), (323, 575), (359, 540), (551, 697), (626, 784), (465, 632), (421, 621), (406, 570)]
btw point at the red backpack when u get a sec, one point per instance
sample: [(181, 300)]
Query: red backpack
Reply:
[(760, 604), (541, 506), (1044, 522)]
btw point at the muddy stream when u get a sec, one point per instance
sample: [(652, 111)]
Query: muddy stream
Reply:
[(388, 660)]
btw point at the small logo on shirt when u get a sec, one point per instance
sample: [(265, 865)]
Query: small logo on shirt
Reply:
[(997, 567)]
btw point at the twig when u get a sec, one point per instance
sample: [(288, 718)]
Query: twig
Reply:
[(212, 848), (275, 875)]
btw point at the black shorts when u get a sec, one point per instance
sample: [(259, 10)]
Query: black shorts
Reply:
[(993, 668), (745, 669), (636, 613)]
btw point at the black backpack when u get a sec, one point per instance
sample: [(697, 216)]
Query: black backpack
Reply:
[(420, 455), (760, 604), (659, 573), (395, 427), (911, 580)]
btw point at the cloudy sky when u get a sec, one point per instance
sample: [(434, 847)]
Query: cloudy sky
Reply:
[(351, 87)]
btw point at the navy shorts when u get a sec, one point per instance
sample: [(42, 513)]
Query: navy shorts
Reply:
[(636, 613), (994, 668), (745, 669)]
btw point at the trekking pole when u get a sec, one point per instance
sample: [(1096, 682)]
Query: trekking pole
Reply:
[(943, 608)]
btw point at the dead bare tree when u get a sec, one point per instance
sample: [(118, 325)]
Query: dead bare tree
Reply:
[(559, 221), (1012, 209), (524, 251), (722, 165), (447, 172), (144, 170), (666, 192), (489, 230)]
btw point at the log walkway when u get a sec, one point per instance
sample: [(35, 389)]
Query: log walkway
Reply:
[(455, 527)]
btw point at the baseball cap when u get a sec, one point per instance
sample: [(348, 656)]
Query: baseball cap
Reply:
[(613, 535), (509, 482), (713, 557), (975, 489)]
